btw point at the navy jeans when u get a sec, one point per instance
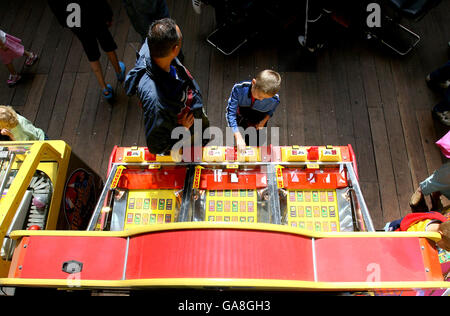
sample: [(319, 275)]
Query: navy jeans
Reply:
[(143, 13)]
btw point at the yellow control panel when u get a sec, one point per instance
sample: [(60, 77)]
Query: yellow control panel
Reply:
[(314, 210), (133, 154), (231, 206), (330, 153), (294, 153), (149, 207), (250, 154), (214, 154)]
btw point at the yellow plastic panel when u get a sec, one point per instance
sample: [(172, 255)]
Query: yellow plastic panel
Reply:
[(214, 154), (231, 206), (313, 210), (330, 154), (294, 153), (150, 207)]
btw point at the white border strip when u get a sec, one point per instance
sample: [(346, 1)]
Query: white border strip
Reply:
[(314, 258)]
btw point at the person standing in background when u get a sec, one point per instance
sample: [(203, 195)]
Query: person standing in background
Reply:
[(95, 20), (143, 13)]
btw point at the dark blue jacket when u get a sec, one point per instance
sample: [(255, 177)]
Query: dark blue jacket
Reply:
[(241, 97), (163, 97)]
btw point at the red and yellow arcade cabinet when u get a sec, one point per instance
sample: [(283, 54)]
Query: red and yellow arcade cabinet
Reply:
[(289, 217)]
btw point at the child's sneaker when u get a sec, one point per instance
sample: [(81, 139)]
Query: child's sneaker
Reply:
[(31, 60), (443, 117), (121, 74), (197, 5), (13, 80)]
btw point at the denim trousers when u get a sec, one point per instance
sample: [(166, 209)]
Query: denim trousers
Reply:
[(143, 13)]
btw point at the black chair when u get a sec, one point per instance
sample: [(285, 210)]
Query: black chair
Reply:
[(234, 28), (392, 33)]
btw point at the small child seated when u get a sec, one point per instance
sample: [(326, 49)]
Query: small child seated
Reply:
[(425, 222), (17, 127), (252, 103)]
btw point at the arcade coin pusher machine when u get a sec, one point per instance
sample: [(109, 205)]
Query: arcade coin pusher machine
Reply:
[(288, 217), (279, 187)]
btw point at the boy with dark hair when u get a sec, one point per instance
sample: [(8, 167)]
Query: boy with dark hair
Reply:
[(169, 95)]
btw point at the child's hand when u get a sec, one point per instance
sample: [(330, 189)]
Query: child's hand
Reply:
[(240, 142), (260, 125), (7, 132), (263, 123)]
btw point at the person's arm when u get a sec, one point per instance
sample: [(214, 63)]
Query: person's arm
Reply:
[(232, 109), (31, 131), (7, 132), (263, 122), (231, 116)]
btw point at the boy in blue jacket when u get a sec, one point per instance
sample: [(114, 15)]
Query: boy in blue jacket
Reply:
[(252, 103)]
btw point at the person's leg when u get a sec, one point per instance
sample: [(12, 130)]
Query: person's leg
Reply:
[(442, 73), (112, 56), (440, 78), (442, 110), (136, 16), (31, 57), (14, 77), (143, 13), (92, 51), (439, 181), (11, 69), (98, 72), (108, 44), (417, 202)]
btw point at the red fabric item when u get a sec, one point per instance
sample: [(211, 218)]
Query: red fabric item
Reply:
[(413, 218)]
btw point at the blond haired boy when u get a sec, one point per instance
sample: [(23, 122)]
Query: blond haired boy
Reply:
[(252, 103)]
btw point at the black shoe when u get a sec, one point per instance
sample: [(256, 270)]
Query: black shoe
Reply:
[(442, 116)]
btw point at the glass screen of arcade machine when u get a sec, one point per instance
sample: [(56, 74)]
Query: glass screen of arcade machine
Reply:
[(316, 199), (148, 196), (239, 195)]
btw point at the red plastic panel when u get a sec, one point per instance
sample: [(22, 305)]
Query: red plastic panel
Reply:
[(369, 259), (220, 254), (102, 257), (251, 179), (138, 179), (328, 178)]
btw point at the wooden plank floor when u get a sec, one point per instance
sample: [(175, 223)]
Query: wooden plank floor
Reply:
[(356, 94)]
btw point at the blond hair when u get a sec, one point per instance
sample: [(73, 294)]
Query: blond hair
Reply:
[(268, 81), (8, 117)]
